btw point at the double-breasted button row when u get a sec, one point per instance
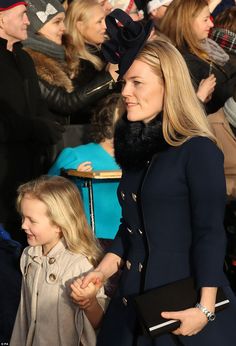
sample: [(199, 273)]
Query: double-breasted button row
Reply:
[(129, 265), (134, 196), (132, 232)]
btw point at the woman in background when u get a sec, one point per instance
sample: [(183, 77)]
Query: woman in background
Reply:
[(187, 23), (98, 155)]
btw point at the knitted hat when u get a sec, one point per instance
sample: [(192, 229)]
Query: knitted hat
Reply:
[(154, 4), (8, 4), (40, 12)]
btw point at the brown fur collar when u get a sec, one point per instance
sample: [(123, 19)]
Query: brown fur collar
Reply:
[(51, 70)]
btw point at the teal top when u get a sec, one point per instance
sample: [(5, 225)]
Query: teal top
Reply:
[(107, 210)]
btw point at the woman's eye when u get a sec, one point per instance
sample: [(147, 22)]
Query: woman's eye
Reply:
[(136, 82)]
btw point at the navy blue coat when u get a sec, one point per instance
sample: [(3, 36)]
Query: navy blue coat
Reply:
[(172, 228)]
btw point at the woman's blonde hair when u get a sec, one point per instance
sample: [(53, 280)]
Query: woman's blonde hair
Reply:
[(177, 25), (80, 10), (65, 210), (183, 115)]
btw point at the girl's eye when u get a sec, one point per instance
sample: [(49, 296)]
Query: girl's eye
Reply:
[(136, 82)]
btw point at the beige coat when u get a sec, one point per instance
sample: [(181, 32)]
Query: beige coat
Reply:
[(46, 314), (227, 140)]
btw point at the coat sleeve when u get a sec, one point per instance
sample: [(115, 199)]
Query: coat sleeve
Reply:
[(62, 102), (120, 244), (21, 326), (67, 159), (205, 177)]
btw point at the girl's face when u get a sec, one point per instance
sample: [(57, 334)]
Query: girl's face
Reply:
[(93, 30), (37, 225), (143, 92), (54, 29), (202, 24)]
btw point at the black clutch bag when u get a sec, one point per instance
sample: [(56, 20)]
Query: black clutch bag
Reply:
[(175, 296)]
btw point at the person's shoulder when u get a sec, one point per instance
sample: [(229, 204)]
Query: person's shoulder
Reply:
[(199, 142), (83, 148), (79, 261), (202, 147)]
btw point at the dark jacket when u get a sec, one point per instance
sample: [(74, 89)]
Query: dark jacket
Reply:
[(172, 228), (64, 98), (25, 131), (10, 286), (225, 79), (223, 5)]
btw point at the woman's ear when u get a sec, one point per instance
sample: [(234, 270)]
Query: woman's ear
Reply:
[(80, 26)]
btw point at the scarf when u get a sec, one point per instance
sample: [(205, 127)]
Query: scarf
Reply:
[(215, 52), (225, 38), (43, 45), (135, 143), (230, 111)]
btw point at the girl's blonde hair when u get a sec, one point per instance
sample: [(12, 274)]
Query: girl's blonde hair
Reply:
[(80, 10), (183, 115), (177, 25), (65, 210)]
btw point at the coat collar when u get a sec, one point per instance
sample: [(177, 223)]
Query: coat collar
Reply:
[(36, 253), (135, 143)]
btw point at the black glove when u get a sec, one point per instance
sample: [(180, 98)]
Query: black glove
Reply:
[(46, 131)]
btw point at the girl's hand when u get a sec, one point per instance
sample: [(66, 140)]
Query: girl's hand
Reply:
[(85, 166), (192, 321), (206, 88), (84, 297)]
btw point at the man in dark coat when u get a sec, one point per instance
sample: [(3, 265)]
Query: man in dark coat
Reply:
[(25, 131)]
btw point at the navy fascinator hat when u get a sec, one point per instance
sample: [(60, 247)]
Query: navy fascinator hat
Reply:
[(127, 37)]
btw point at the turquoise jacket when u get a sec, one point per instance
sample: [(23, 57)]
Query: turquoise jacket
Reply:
[(106, 206)]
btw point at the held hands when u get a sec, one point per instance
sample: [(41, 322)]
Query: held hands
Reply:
[(96, 277), (192, 321), (84, 297), (206, 88)]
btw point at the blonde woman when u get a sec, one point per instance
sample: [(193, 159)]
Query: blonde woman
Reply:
[(172, 195), (61, 247), (188, 23), (85, 22)]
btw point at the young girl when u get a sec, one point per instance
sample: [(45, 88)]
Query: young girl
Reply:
[(62, 247)]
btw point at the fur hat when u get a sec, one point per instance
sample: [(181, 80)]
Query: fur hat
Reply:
[(155, 4), (8, 4), (127, 37), (40, 12)]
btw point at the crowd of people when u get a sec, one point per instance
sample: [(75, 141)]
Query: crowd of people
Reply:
[(147, 88)]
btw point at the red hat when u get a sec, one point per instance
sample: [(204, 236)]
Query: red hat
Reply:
[(7, 4)]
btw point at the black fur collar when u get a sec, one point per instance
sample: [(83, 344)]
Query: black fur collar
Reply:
[(135, 142)]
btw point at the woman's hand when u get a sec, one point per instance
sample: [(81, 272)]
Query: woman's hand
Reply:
[(96, 277), (206, 88), (85, 166), (84, 297), (192, 321)]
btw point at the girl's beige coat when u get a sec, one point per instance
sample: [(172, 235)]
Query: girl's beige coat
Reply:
[(46, 315)]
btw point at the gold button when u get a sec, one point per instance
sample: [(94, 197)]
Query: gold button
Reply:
[(52, 277), (129, 230), (140, 267), (52, 260), (128, 265), (122, 195), (134, 196), (125, 301)]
